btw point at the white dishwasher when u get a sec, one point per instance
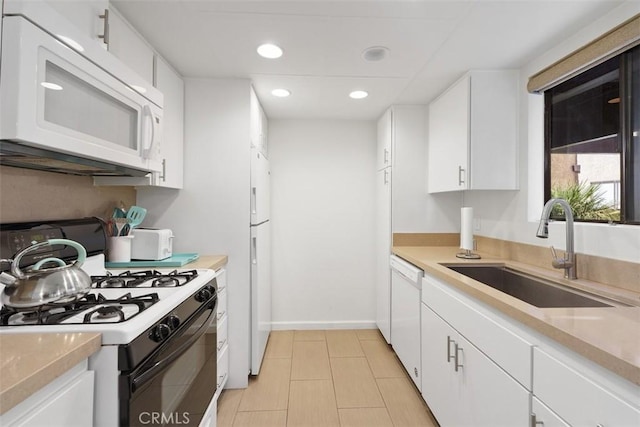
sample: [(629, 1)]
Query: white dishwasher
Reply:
[(405, 316)]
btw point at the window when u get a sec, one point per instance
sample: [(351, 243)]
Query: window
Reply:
[(592, 142)]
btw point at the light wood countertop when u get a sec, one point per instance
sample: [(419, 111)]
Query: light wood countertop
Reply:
[(213, 262), (30, 361), (608, 336)]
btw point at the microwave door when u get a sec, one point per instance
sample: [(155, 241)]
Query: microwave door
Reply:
[(63, 102)]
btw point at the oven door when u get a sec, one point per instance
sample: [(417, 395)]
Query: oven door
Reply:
[(56, 99), (175, 385)]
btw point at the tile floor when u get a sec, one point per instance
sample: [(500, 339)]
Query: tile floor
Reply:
[(347, 378)]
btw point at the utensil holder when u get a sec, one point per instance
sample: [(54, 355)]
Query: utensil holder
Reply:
[(119, 249)]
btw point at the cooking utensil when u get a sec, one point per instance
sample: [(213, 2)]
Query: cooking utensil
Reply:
[(135, 216), (40, 286), (120, 224)]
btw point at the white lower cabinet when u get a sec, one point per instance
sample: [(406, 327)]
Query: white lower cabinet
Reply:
[(508, 374), (541, 415), (574, 393), (222, 368), (461, 385), (67, 401)]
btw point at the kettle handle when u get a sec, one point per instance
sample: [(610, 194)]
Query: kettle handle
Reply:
[(39, 264), (82, 254)]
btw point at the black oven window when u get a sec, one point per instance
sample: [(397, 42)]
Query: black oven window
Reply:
[(592, 146)]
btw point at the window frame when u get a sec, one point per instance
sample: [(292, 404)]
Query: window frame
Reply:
[(626, 137)]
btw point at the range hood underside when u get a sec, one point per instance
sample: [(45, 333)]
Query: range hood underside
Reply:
[(26, 157)]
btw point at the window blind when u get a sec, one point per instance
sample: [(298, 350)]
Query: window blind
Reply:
[(610, 44)]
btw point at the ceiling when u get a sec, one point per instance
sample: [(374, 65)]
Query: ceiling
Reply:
[(431, 44)]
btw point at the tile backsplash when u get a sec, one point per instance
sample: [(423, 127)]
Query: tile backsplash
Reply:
[(29, 195)]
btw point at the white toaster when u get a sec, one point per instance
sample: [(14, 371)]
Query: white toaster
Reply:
[(151, 244)]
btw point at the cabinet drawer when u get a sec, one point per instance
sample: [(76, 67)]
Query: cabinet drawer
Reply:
[(505, 348), (222, 302), (576, 398), (223, 370), (222, 334)]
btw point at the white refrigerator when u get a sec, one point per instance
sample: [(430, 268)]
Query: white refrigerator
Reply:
[(260, 258)]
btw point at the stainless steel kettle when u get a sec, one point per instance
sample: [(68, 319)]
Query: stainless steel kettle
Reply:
[(40, 286)]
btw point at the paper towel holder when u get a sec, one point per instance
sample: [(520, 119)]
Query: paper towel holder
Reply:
[(468, 254)]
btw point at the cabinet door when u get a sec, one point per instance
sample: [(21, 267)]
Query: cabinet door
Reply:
[(543, 416), (70, 406), (264, 133), (440, 388), (84, 15), (383, 251), (489, 396), (128, 46), (255, 119), (385, 137), (172, 145), (448, 144)]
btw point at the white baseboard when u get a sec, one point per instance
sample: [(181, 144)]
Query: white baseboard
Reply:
[(349, 324)]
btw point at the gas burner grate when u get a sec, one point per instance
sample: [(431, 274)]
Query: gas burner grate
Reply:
[(145, 278), (101, 310)]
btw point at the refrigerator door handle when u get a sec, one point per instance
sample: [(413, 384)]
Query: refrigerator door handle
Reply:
[(254, 200), (254, 251)]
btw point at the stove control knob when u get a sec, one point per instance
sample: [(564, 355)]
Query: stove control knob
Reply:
[(173, 322), (160, 332), (203, 294)]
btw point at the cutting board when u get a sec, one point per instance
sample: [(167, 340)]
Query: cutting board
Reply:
[(177, 260)]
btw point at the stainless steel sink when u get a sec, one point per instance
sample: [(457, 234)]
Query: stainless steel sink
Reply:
[(530, 289)]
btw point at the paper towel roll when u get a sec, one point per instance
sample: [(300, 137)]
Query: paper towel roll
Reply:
[(466, 228)]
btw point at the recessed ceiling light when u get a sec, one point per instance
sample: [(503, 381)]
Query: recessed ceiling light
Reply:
[(51, 86), (358, 94), (375, 53), (281, 93), (269, 50)]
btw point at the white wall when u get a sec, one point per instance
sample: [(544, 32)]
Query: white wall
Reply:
[(513, 215), (211, 214), (322, 213)]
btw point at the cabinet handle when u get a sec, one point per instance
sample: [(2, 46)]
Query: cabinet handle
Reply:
[(460, 172), (386, 156), (221, 380), (449, 341), (456, 361), (386, 177), (164, 170), (220, 315), (534, 421), (221, 344), (105, 28), (221, 288)]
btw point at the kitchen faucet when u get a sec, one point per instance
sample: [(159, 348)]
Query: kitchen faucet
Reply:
[(568, 263)]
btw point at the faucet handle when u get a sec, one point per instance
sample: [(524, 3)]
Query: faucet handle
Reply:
[(560, 262)]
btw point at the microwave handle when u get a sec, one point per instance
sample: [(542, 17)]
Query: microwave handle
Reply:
[(148, 137)]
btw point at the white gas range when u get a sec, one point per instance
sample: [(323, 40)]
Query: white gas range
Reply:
[(158, 327)]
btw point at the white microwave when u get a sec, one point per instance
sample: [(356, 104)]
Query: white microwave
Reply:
[(73, 98)]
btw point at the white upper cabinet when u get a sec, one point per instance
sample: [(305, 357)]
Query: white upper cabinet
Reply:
[(172, 146), (87, 16), (385, 136), (473, 134), (259, 126), (127, 45)]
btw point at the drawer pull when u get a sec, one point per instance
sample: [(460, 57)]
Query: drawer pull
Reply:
[(449, 342), (456, 361), (221, 344), (535, 422)]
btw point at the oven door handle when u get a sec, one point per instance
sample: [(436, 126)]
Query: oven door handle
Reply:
[(148, 374)]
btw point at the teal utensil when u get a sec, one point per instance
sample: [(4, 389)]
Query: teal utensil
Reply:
[(135, 216)]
